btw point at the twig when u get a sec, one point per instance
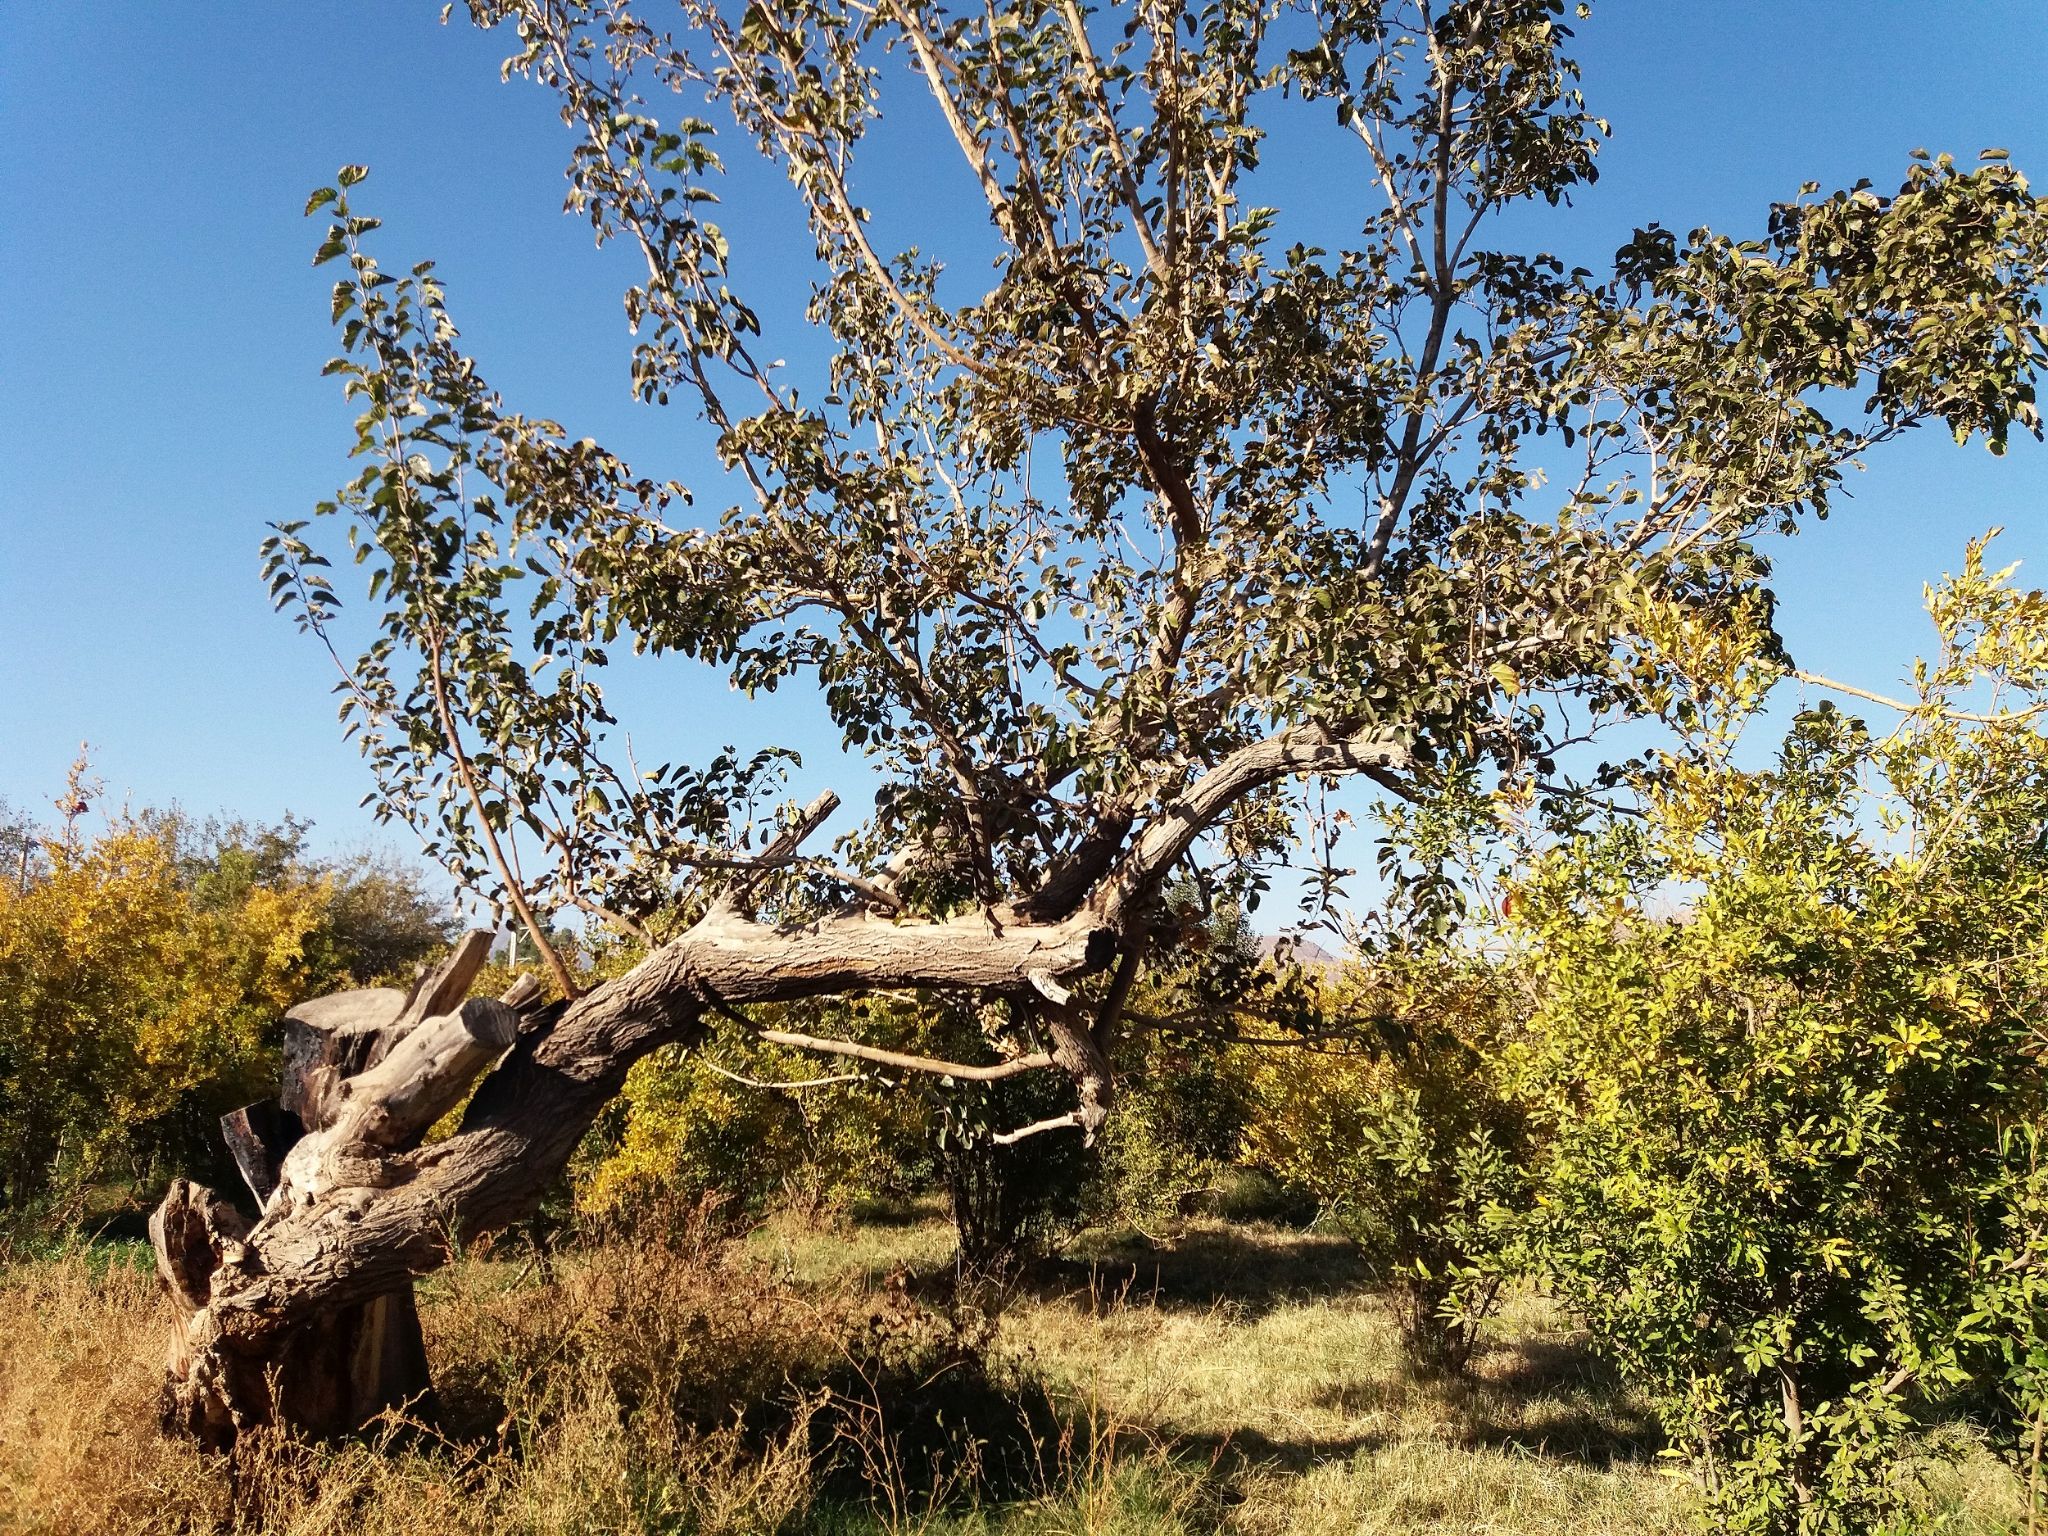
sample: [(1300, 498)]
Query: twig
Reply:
[(777, 853), (803, 1082), (1057, 1123), (2006, 717), (513, 890), (1036, 1061)]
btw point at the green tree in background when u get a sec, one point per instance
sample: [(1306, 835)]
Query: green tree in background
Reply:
[(120, 996), (380, 917), (143, 969)]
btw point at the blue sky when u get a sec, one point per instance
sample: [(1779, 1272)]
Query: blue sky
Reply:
[(162, 331)]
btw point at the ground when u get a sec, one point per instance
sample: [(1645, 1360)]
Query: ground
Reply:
[(807, 1378)]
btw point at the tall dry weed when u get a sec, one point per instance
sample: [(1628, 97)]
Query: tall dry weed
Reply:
[(655, 1382), (79, 1374)]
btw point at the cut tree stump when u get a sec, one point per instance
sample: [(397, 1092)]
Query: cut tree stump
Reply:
[(366, 1073), (258, 1135)]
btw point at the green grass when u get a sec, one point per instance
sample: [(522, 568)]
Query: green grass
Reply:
[(1243, 1379), (809, 1253)]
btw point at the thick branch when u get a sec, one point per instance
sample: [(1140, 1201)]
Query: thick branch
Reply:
[(425, 1075), (258, 1137), (330, 1039), (442, 988), (191, 1231), (1303, 750)]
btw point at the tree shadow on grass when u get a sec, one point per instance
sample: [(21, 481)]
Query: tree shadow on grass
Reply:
[(1250, 1269), (1553, 1395), (1549, 1398), (1234, 1452), (1545, 1395), (127, 1224)]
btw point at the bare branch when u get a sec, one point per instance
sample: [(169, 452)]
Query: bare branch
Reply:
[(791, 1084), (1071, 1119), (778, 853), (933, 1066), (1905, 707)]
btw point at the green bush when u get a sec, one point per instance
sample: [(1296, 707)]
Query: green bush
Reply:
[(711, 1122), (708, 1122), (1787, 1050), (144, 965), (1401, 1131), (1183, 1106)]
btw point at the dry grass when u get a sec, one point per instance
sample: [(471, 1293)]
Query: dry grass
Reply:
[(584, 1440), (78, 1382), (1236, 1382)]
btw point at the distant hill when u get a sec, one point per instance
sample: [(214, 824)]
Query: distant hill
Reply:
[(1302, 950)]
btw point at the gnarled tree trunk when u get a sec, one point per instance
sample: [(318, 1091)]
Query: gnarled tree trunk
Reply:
[(305, 1316), (365, 1074)]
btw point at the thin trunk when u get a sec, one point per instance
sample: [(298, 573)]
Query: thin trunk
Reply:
[(1795, 1442), (2034, 1470)]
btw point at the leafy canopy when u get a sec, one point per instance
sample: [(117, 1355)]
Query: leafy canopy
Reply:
[(1110, 548)]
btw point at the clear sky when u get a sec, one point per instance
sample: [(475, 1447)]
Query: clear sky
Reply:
[(162, 331)]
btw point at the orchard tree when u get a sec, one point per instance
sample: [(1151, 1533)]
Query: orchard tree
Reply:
[(1104, 560), (1787, 1056)]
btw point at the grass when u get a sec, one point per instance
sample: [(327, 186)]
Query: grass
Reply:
[(1237, 1380)]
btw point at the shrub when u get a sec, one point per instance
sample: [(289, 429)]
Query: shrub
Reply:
[(872, 1396), (710, 1121), (143, 969), (128, 1008), (1787, 1047), (1010, 1202), (1183, 1106), (1400, 1128)]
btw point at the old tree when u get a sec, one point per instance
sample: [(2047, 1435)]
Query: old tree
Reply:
[(1104, 560)]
